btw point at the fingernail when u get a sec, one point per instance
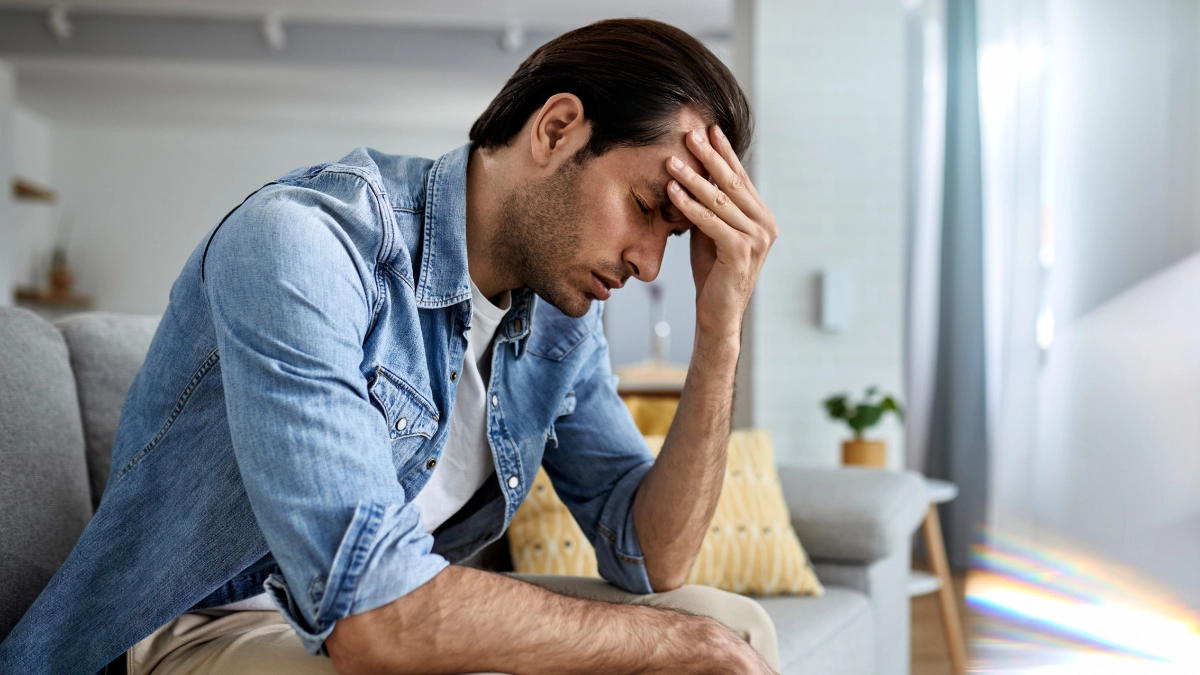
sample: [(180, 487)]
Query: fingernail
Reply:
[(674, 186), (720, 134), (675, 162), (699, 137)]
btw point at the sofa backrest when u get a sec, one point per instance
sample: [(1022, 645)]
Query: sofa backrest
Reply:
[(44, 497), (106, 352), (61, 392)]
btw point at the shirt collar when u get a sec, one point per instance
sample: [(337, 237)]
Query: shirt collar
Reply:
[(444, 279)]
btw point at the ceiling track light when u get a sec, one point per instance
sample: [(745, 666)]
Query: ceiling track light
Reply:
[(272, 31), (60, 24)]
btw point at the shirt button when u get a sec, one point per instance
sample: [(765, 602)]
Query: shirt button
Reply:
[(453, 375), (431, 463), (513, 482), (401, 423), (495, 400)]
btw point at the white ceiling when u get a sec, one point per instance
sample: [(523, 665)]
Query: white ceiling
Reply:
[(696, 16), (123, 92), (446, 91)]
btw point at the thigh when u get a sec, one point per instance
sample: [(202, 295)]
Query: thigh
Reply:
[(741, 614), (234, 642), (227, 643)]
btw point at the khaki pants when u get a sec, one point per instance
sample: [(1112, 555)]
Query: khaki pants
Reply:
[(262, 643)]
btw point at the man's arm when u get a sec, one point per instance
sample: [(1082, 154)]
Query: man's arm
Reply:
[(466, 620), (733, 232)]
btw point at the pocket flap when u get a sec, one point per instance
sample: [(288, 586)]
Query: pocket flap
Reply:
[(408, 413)]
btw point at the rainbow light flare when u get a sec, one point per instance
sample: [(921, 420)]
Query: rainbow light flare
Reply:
[(1052, 611)]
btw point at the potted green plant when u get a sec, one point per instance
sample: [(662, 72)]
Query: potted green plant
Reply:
[(860, 416)]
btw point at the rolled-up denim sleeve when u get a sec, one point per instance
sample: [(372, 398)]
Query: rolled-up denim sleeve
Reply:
[(291, 297), (596, 467)]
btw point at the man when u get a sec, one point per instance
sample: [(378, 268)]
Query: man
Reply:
[(362, 367)]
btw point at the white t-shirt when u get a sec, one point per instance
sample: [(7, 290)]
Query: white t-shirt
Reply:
[(466, 460)]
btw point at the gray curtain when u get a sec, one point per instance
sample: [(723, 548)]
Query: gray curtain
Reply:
[(958, 436)]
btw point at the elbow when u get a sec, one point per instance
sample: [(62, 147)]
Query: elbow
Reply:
[(357, 647), (345, 658), (663, 580), (663, 586)]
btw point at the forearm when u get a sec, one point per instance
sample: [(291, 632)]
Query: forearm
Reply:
[(466, 620), (675, 503)]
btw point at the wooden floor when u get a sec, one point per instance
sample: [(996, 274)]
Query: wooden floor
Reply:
[(929, 653)]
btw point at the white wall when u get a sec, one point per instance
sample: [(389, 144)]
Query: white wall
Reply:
[(141, 198), (1114, 467), (1124, 129), (1118, 470), (7, 130), (35, 223), (828, 81)]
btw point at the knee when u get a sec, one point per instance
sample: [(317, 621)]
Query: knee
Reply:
[(739, 613)]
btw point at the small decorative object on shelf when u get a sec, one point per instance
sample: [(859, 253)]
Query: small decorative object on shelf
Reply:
[(61, 276), (58, 295), (860, 416)]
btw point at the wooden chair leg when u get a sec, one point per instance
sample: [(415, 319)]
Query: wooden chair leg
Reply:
[(936, 547)]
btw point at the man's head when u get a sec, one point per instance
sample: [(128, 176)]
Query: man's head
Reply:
[(585, 128)]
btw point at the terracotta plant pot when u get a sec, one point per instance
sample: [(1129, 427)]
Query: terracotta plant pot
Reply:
[(859, 452)]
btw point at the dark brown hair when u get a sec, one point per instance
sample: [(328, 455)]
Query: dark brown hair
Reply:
[(633, 77)]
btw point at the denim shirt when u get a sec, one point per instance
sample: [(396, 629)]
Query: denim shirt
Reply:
[(292, 402)]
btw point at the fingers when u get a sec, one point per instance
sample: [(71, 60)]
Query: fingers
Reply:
[(709, 195), (704, 218), (722, 151), (717, 155), (725, 149)]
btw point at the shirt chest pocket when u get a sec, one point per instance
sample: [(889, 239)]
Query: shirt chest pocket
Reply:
[(411, 419)]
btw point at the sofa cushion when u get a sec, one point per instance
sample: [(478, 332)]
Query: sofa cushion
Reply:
[(44, 501), (853, 514), (106, 352), (833, 634)]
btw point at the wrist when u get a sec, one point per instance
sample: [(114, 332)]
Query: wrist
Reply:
[(725, 344)]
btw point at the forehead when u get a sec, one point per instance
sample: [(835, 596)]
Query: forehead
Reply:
[(648, 163)]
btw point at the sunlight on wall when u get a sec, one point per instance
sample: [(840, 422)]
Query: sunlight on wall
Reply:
[(1050, 609)]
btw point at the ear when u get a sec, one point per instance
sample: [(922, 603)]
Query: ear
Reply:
[(559, 130)]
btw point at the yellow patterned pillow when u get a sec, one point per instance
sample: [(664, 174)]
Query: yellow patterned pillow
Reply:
[(750, 546)]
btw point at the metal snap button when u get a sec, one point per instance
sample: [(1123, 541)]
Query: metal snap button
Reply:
[(495, 400), (453, 375), (431, 463), (513, 482), (401, 423)]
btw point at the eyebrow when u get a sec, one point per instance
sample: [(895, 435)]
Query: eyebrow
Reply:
[(658, 195)]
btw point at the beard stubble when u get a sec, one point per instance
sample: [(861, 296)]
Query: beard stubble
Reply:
[(539, 236)]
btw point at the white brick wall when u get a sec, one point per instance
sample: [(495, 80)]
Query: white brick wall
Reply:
[(828, 83)]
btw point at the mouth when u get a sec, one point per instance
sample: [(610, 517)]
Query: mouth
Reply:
[(602, 286)]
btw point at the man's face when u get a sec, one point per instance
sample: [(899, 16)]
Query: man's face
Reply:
[(584, 230)]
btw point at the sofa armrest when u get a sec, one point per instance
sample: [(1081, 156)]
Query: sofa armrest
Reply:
[(852, 514)]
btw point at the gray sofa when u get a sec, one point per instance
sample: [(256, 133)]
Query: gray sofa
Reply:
[(61, 390)]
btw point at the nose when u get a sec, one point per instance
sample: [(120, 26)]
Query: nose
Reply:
[(644, 259)]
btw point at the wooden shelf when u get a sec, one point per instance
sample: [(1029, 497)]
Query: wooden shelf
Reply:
[(651, 378), (43, 298), (24, 189)]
